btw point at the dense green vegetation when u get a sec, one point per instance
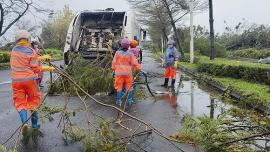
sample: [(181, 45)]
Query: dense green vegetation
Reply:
[(250, 53), (54, 32), (245, 35), (229, 132), (99, 71), (243, 40), (55, 53)]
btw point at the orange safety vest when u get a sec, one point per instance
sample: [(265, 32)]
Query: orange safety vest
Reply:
[(123, 62), (24, 64)]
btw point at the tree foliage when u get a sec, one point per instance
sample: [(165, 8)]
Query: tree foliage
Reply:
[(201, 42), (163, 18), (54, 32), (246, 36), (11, 11)]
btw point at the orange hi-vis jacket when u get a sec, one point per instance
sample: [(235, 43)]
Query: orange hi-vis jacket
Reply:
[(123, 62), (24, 64)]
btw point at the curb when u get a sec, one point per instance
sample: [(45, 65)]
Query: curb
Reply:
[(214, 84)]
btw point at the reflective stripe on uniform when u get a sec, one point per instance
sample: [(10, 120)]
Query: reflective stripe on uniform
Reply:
[(20, 68), (123, 66), (24, 50), (123, 73), (128, 53), (24, 79)]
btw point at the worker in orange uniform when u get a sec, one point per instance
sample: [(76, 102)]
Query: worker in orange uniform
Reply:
[(122, 64), (133, 48), (24, 70), (170, 62)]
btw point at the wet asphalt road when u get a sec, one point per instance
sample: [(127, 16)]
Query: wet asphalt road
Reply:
[(161, 113)]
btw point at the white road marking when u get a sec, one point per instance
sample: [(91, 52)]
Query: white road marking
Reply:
[(6, 82)]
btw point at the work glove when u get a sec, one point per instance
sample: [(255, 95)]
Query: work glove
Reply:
[(48, 69), (175, 65), (45, 58)]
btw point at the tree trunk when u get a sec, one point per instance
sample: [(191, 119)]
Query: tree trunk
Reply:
[(212, 36), (1, 17), (178, 42), (164, 34)]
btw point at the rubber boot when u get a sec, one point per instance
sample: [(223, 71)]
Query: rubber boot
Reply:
[(23, 116), (118, 98), (34, 120), (130, 97), (173, 82), (165, 82)]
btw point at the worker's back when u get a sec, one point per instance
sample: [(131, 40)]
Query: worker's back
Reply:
[(123, 63), (21, 61)]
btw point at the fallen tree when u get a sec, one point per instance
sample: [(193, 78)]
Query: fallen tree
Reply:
[(234, 130), (100, 133)]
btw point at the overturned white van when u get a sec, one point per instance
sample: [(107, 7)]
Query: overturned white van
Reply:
[(91, 34)]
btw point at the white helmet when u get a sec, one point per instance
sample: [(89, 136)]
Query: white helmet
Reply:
[(22, 34)]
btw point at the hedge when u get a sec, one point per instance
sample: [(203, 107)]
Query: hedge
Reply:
[(186, 58), (235, 69), (250, 53), (4, 57), (55, 53)]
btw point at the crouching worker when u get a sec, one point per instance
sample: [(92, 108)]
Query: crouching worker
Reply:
[(24, 73), (122, 64), (170, 63)]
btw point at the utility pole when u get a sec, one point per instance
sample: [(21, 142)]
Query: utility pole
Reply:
[(162, 44), (212, 36), (191, 33)]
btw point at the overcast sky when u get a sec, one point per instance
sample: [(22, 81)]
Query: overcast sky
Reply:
[(231, 11)]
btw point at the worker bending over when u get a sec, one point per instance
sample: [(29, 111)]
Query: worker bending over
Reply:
[(122, 64), (24, 73), (170, 63)]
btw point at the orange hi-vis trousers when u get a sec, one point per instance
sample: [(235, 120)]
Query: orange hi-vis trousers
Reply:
[(170, 72), (120, 81), (26, 95)]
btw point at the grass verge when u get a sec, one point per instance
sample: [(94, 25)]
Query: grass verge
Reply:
[(250, 91)]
